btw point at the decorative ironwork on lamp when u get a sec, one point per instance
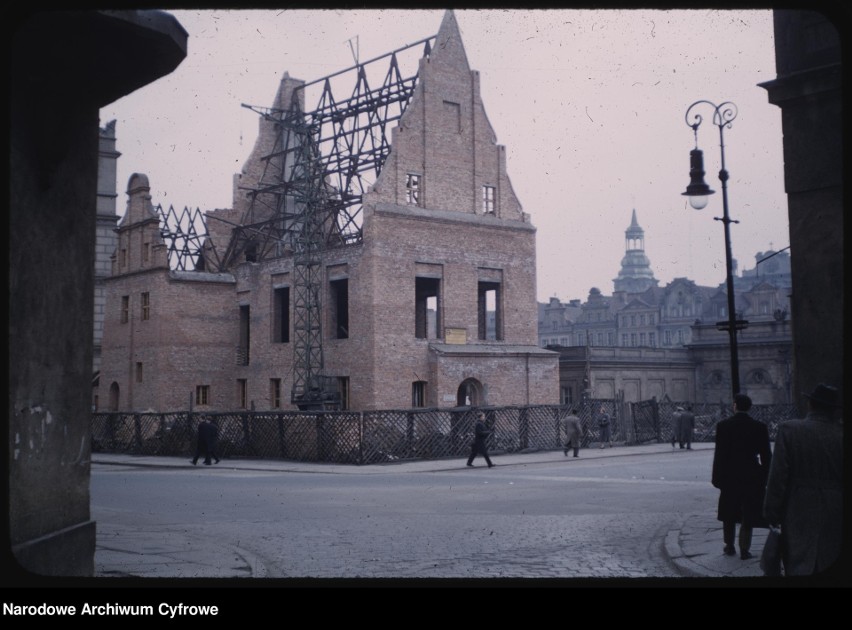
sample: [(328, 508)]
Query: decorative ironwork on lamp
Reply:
[(698, 191)]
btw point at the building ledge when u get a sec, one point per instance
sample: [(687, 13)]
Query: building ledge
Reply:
[(202, 276), (450, 216), (490, 350)]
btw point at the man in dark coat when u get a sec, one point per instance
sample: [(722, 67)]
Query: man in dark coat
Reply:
[(805, 489), (207, 434), (573, 433), (687, 426), (740, 467), (604, 429), (480, 433), (677, 423)]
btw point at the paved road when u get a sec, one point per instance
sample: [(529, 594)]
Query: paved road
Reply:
[(628, 512)]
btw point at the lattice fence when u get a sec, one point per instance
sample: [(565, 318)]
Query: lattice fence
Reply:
[(653, 419), (374, 437), (343, 437)]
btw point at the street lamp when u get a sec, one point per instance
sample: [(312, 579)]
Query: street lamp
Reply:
[(698, 191)]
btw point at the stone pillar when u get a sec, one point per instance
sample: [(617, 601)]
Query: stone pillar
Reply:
[(808, 91), (68, 64)]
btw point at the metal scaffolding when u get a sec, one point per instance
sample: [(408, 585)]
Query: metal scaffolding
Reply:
[(308, 199), (184, 235)]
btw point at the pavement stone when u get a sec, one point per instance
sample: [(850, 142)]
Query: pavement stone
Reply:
[(695, 546)]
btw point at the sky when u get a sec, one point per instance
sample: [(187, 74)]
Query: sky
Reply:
[(590, 105)]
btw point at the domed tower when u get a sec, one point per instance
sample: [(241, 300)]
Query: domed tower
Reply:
[(635, 275)]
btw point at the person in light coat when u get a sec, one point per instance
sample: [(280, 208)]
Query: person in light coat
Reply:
[(804, 493)]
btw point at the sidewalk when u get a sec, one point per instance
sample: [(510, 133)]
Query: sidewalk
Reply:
[(695, 546)]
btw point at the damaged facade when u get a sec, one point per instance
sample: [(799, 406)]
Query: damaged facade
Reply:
[(376, 257)]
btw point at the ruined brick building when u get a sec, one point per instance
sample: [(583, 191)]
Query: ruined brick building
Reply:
[(370, 243)]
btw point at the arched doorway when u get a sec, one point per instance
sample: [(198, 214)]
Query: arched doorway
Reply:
[(470, 393), (113, 396)]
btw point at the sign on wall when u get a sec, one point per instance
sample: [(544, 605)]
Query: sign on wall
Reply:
[(455, 335)]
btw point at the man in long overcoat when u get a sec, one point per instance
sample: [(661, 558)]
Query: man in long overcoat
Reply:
[(805, 489), (573, 433), (741, 463), (206, 446), (677, 423), (479, 447), (687, 426)]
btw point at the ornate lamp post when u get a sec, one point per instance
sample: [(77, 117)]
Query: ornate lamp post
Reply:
[(698, 191)]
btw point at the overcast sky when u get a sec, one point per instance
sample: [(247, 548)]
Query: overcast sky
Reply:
[(589, 104)]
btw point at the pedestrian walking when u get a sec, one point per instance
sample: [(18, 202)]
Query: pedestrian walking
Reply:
[(480, 434), (573, 432), (804, 493), (683, 422), (206, 444), (740, 467), (604, 421), (677, 421)]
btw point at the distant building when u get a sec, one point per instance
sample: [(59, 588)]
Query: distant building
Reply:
[(647, 341), (105, 237)]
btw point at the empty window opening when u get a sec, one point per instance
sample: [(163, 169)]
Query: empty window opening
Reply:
[(245, 334), (418, 394), (343, 390), (138, 371), (452, 111), (202, 394), (470, 393), (490, 326), (412, 189), (427, 317), (251, 252), (242, 393), (146, 306), (281, 315), (339, 290), (114, 396), (146, 252), (275, 393), (125, 308), (489, 194)]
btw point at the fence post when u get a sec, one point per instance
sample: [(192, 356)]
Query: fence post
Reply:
[(319, 419), (360, 438), (110, 432), (524, 428), (409, 433), (282, 443), (189, 430), (557, 412), (247, 430), (137, 432), (629, 428)]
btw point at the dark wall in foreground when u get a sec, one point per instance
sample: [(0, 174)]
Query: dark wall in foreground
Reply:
[(67, 65), (808, 91)]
